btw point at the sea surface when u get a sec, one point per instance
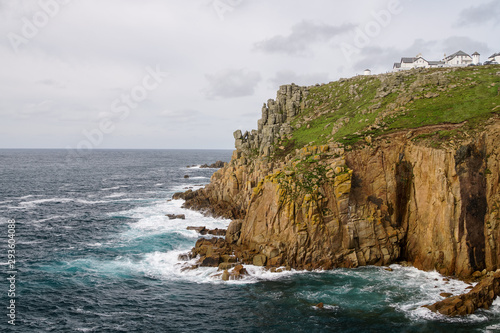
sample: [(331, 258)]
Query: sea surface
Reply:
[(96, 253)]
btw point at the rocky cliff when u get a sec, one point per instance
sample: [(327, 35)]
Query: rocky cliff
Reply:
[(369, 171)]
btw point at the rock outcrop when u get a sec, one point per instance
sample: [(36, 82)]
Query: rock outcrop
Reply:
[(275, 123), (390, 197), (481, 296)]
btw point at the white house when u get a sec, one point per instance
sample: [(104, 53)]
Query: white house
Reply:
[(415, 62), (495, 57), (459, 58)]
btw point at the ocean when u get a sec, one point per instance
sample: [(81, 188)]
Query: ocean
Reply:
[(94, 252)]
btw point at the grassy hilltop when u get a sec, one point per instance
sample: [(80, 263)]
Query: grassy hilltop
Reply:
[(349, 110)]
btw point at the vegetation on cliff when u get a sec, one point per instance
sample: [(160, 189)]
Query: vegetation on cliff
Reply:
[(349, 110)]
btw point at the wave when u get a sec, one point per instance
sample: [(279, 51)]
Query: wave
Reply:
[(166, 266), (114, 188), (152, 219), (115, 195), (35, 203)]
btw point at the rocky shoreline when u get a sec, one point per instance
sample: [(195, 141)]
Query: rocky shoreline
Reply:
[(396, 197)]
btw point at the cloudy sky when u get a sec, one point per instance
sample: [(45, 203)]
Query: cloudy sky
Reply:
[(187, 73)]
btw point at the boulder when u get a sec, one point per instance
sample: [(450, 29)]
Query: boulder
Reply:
[(233, 231), (216, 165), (226, 265), (200, 230), (210, 261), (176, 216), (184, 257), (217, 232), (239, 271), (259, 260)]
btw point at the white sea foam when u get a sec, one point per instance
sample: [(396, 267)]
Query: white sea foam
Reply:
[(166, 266), (114, 188), (428, 286), (115, 195), (185, 187), (26, 197), (153, 220)]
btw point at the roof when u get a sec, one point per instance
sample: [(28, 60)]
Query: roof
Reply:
[(408, 60), (457, 54), (495, 55), (436, 62), (397, 65), (475, 53)]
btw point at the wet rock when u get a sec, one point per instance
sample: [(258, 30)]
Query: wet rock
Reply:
[(239, 271), (217, 232), (176, 216), (216, 165), (184, 257), (210, 261), (226, 265), (481, 296), (200, 230)]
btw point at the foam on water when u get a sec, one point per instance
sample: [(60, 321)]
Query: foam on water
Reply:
[(115, 195), (166, 266), (114, 188)]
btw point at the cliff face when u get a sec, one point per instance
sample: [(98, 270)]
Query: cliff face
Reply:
[(409, 194)]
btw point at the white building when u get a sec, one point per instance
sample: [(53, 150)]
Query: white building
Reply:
[(495, 57), (416, 62), (459, 58), (476, 58)]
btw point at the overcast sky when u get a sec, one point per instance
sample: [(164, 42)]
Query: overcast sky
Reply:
[(187, 73)]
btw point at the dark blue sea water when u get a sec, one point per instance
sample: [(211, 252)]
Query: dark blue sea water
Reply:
[(96, 253)]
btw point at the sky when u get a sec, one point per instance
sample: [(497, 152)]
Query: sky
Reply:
[(185, 74)]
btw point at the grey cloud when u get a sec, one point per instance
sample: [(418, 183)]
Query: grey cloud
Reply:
[(466, 44), (302, 36), (52, 83), (232, 83), (481, 14), (288, 76)]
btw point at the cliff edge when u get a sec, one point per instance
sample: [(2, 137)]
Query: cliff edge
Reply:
[(370, 170)]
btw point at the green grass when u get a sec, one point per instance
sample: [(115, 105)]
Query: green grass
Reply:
[(470, 94)]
